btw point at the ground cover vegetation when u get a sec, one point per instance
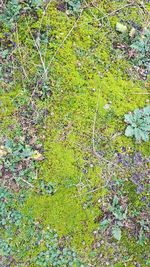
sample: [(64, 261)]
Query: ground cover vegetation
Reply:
[(74, 133)]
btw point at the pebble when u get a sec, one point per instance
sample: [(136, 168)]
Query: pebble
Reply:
[(98, 244), (95, 232)]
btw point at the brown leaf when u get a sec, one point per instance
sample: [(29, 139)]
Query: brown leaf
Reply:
[(37, 156), (3, 151)]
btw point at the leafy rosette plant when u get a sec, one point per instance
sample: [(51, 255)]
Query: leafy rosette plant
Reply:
[(74, 5), (138, 124)]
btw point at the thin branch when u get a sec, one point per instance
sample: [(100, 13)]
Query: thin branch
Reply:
[(27, 182), (94, 123), (19, 50), (119, 9), (39, 51)]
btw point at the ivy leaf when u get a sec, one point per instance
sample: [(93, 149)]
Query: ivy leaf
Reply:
[(116, 232)]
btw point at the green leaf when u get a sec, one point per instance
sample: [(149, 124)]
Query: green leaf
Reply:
[(146, 111), (129, 118), (129, 131), (116, 232), (119, 213), (119, 223), (144, 136), (115, 201), (137, 114), (104, 224), (139, 124), (138, 134)]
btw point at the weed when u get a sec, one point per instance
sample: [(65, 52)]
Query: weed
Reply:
[(139, 124), (13, 9), (46, 188), (46, 248), (119, 215), (54, 254), (10, 13), (144, 228), (17, 164), (141, 45), (74, 5)]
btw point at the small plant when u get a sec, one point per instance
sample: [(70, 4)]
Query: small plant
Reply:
[(13, 8), (143, 230), (30, 235), (35, 3), (46, 188), (17, 163), (118, 215), (10, 13), (54, 255), (138, 124), (73, 5), (141, 45)]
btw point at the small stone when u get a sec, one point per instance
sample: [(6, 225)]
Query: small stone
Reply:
[(107, 106), (98, 244), (95, 232)]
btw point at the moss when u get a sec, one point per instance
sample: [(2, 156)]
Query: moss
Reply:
[(82, 71), (119, 265), (64, 212), (136, 252), (67, 211)]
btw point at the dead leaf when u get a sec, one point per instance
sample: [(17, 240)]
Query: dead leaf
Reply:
[(3, 151), (132, 32), (121, 28), (37, 156)]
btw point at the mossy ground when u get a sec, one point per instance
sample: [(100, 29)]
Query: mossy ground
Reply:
[(84, 74)]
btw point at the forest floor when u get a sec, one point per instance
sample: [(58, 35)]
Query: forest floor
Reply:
[(74, 144)]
